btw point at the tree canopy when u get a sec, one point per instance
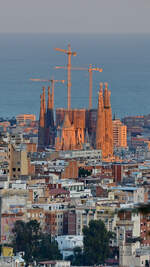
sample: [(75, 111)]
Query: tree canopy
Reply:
[(83, 172), (28, 237), (95, 245), (96, 242)]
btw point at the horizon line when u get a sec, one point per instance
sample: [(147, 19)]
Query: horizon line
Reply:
[(85, 33)]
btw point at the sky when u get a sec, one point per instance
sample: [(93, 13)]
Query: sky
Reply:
[(74, 16)]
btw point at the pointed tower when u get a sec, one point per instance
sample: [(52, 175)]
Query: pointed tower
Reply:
[(50, 115), (41, 130), (108, 153), (49, 105), (100, 127), (44, 101), (50, 131), (41, 120)]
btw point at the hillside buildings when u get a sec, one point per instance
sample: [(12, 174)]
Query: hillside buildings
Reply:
[(77, 165)]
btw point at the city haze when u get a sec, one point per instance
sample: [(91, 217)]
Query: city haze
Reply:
[(80, 16)]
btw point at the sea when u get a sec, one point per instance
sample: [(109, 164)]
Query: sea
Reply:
[(125, 59)]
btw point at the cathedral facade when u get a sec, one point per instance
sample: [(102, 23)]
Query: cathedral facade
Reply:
[(73, 128)]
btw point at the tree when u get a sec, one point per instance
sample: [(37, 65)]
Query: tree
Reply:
[(95, 245), (36, 245), (143, 208), (83, 172), (77, 259), (96, 242), (47, 249)]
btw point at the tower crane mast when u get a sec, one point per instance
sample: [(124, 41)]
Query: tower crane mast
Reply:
[(90, 69), (69, 53)]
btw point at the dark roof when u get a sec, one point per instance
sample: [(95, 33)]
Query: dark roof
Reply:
[(58, 191)]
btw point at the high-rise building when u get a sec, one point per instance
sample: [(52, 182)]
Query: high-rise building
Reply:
[(119, 134)]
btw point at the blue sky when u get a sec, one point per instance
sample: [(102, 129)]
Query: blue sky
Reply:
[(75, 16)]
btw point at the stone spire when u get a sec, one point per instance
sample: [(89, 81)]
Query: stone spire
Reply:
[(49, 99), (100, 127), (44, 101), (106, 97), (104, 132), (41, 119), (108, 152), (41, 129), (49, 131), (49, 115)]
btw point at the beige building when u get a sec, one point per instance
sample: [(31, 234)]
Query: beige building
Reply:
[(23, 118), (13, 205), (119, 134), (18, 162)]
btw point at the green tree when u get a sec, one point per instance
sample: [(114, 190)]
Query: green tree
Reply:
[(143, 208), (95, 245), (47, 248), (77, 259), (36, 245), (96, 242), (83, 172)]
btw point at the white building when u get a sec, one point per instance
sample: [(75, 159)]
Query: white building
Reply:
[(76, 189), (81, 154), (67, 243), (134, 255)]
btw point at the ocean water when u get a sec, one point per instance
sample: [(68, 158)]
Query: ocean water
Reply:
[(125, 60)]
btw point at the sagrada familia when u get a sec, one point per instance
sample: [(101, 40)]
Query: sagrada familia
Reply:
[(73, 128)]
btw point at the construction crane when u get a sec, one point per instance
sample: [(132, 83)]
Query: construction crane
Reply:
[(90, 69), (52, 81), (69, 53)]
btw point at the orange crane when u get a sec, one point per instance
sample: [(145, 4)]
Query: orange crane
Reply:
[(52, 85), (69, 53), (90, 70)]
